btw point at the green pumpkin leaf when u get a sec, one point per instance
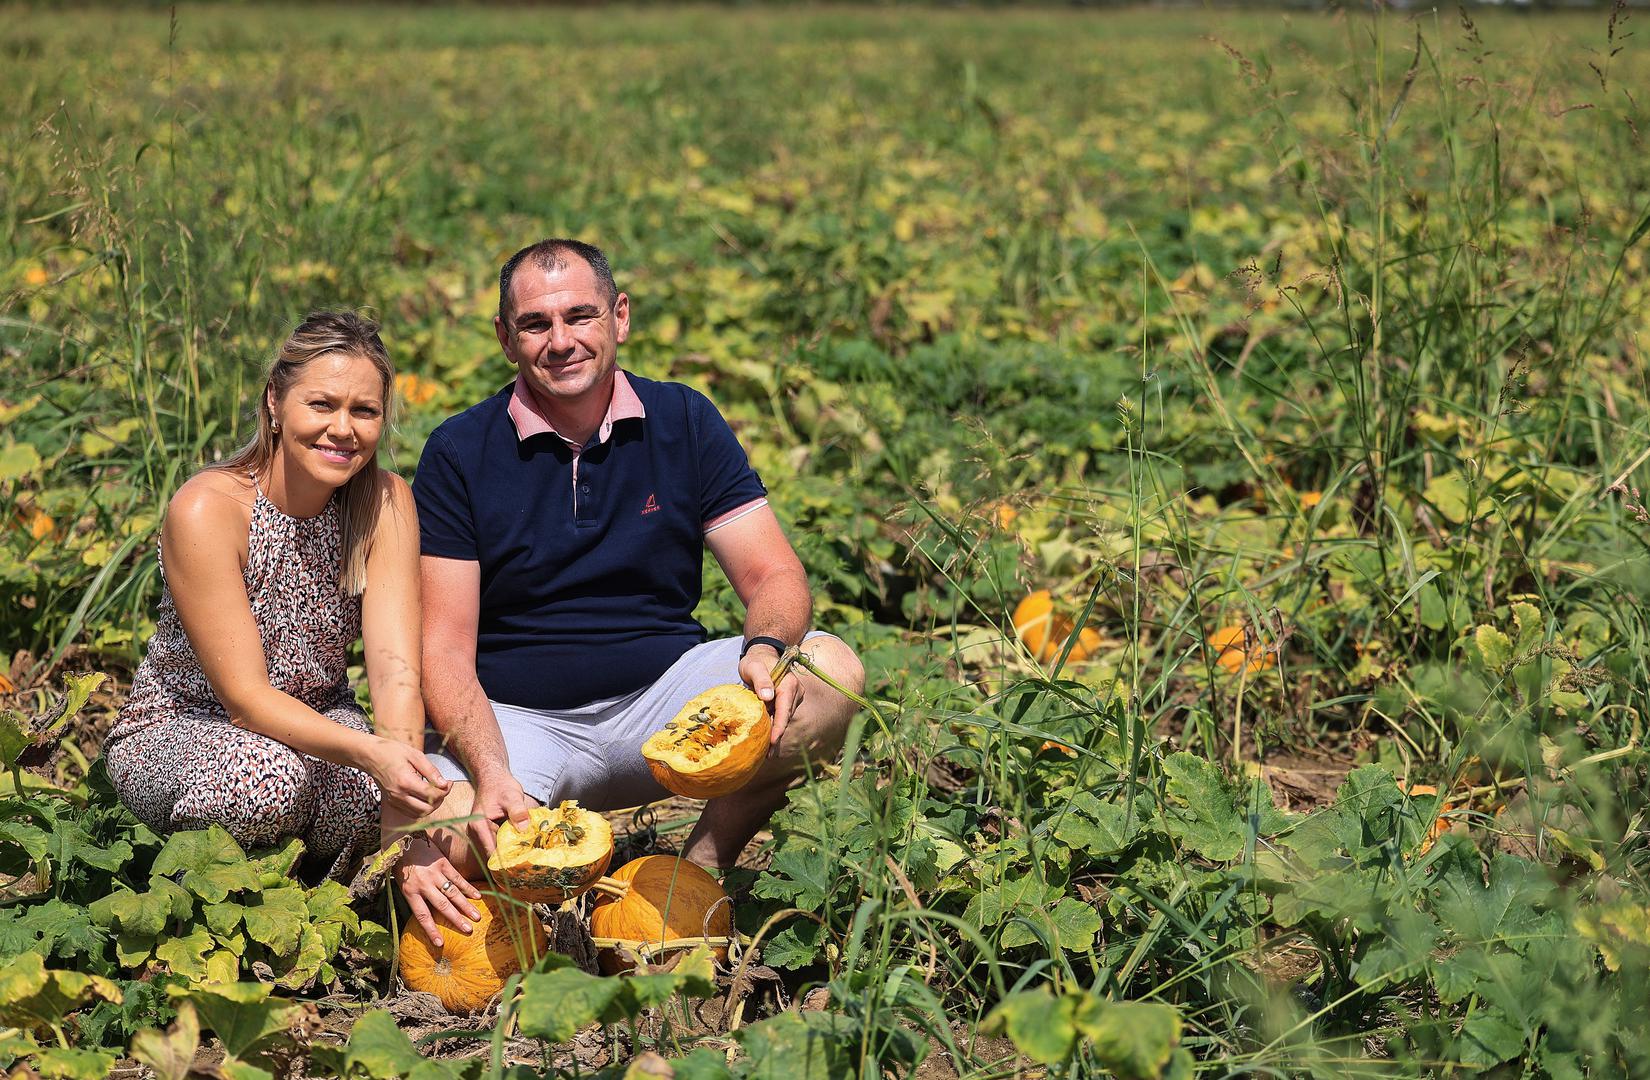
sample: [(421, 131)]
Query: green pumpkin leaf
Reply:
[(142, 914), (311, 956), (1201, 808), (212, 863), (1489, 1038), (19, 460), (374, 940), (171, 1054), (1448, 495), (134, 950), (280, 860), (701, 1064), (1096, 827), (1039, 1025), (555, 1005), (233, 1068), (277, 919), (379, 1049), (242, 1015), (31, 995), (1134, 1040), (186, 955), (69, 1063), (1495, 649), (805, 1046)]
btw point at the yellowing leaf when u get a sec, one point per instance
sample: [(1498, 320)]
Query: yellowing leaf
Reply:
[(18, 461)]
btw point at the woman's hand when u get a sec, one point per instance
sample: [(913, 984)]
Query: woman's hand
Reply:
[(411, 785), (432, 887)]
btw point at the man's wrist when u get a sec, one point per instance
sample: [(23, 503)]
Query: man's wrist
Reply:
[(773, 643)]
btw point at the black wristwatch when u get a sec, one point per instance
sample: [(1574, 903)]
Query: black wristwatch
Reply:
[(778, 646)]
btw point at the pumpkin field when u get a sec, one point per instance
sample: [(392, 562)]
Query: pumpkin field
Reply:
[(1224, 437)]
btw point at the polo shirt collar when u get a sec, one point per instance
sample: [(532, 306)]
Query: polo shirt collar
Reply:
[(530, 419)]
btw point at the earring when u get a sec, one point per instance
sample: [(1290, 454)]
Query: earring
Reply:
[(275, 426)]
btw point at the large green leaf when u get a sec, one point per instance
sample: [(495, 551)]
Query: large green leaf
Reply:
[(557, 1004), (380, 1050), (242, 1015), (802, 1046), (212, 863), (186, 955), (1040, 1025), (277, 919), (172, 1053), (1095, 827), (73, 1063), (1134, 1040), (1201, 809), (31, 995)]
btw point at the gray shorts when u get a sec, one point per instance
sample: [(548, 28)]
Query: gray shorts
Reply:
[(593, 753)]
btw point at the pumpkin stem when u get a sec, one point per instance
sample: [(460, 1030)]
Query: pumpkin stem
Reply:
[(609, 886), (806, 662)]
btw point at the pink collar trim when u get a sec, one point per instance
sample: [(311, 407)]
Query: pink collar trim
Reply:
[(530, 419)]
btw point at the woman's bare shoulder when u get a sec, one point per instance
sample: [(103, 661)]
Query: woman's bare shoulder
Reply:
[(213, 498)]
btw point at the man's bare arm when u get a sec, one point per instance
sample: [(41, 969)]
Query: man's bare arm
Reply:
[(764, 571), (453, 698)]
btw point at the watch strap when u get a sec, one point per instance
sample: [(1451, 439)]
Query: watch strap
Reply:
[(778, 646)]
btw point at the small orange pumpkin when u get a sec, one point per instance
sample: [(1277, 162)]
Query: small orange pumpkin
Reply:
[(1235, 649), (469, 970), (713, 746), (656, 899), (558, 856), (1045, 633)]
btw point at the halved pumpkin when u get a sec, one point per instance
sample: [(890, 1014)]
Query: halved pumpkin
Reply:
[(469, 970), (658, 905), (713, 746), (560, 854)]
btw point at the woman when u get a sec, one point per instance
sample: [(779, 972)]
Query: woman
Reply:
[(275, 562)]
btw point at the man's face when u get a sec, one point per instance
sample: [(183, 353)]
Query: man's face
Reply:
[(561, 333)]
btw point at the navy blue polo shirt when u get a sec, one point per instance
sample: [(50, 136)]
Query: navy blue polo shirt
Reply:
[(587, 592)]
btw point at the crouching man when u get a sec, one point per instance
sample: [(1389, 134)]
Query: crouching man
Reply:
[(563, 523)]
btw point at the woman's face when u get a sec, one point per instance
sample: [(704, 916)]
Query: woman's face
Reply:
[(331, 418)]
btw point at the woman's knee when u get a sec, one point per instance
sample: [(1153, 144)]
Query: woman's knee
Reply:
[(257, 797)]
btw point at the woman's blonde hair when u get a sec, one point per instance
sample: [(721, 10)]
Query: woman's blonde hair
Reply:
[(326, 333)]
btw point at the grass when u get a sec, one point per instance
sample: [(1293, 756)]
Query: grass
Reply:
[(1326, 328)]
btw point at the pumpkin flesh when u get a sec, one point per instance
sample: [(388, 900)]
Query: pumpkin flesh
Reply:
[(713, 746), (556, 857), (663, 899), (469, 970)]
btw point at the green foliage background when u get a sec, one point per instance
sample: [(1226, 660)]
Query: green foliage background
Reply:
[(1322, 330)]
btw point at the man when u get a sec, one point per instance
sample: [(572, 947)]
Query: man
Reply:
[(563, 523)]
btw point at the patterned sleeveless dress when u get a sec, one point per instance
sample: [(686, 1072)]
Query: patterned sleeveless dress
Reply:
[(179, 763)]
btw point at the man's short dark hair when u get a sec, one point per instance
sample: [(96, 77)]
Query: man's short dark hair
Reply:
[(550, 255)]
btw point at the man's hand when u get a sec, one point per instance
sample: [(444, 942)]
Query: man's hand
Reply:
[(497, 797), (432, 887), (755, 669)]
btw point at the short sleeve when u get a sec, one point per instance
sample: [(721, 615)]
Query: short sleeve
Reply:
[(446, 527), (726, 479)]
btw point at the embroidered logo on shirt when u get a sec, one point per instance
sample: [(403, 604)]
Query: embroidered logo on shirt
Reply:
[(651, 505)]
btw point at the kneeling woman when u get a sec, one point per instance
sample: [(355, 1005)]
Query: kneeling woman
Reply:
[(274, 563)]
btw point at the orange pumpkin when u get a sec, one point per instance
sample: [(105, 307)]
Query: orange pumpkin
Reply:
[(713, 746), (654, 900), (1045, 633), (559, 855), (469, 970), (1235, 649)]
